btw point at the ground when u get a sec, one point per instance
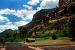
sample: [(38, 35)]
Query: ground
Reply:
[(54, 44), (41, 45)]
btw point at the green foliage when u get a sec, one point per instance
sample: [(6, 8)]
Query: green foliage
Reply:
[(9, 36), (43, 35), (4, 35), (72, 27), (62, 34)]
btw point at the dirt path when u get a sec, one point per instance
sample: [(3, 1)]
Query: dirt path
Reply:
[(21, 46), (60, 48), (57, 47)]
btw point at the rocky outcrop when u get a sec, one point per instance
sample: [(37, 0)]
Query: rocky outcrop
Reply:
[(43, 19)]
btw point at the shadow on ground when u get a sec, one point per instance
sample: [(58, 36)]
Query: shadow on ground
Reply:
[(15, 46)]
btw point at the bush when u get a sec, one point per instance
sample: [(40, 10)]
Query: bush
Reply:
[(54, 37)]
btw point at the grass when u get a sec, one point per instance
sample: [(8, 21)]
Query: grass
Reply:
[(51, 42)]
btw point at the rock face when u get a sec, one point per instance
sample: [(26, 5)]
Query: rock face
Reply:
[(50, 19), (65, 2)]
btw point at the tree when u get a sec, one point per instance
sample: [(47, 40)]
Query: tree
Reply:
[(72, 27), (7, 34), (2, 39)]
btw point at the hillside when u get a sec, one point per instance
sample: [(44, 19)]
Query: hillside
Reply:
[(50, 21)]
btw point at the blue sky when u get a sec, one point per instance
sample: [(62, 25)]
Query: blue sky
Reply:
[(12, 4), (14, 13)]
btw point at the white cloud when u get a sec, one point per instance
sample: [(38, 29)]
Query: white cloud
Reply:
[(19, 13), (13, 26), (21, 23), (29, 17), (8, 25), (7, 11), (39, 8), (24, 14), (3, 19), (28, 7), (33, 2), (0, 31), (48, 4)]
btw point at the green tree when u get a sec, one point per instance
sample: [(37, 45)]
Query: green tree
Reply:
[(72, 27), (7, 34)]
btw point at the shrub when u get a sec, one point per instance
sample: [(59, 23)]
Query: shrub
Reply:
[(54, 36)]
